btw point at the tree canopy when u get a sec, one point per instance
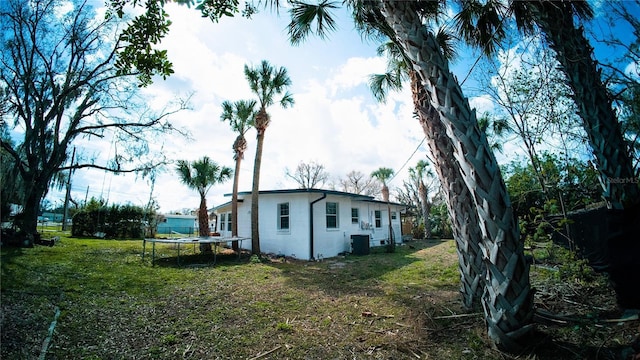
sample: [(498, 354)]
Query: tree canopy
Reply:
[(60, 87)]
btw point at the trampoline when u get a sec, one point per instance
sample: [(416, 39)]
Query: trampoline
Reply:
[(215, 240)]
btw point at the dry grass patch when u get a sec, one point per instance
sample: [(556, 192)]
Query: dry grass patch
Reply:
[(403, 305)]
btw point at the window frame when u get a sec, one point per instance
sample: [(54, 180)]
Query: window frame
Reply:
[(355, 219), (332, 215), (281, 217), (223, 222), (377, 214)]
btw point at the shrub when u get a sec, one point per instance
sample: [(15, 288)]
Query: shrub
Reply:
[(114, 222), (418, 231)]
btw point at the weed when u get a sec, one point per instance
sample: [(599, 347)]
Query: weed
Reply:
[(284, 327)]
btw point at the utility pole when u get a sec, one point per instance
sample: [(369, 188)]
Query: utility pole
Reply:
[(68, 195)]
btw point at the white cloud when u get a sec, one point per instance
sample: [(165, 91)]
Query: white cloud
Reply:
[(633, 70), (482, 104), (356, 72), (335, 120)]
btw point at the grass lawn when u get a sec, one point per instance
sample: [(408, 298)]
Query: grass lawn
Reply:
[(404, 305)]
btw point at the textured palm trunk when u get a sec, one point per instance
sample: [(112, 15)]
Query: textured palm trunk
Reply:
[(424, 204), (203, 224), (385, 193), (619, 182), (464, 218), (239, 146), (507, 299), (599, 120), (261, 123), (385, 197)]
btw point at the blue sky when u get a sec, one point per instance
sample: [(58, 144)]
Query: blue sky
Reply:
[(335, 121)]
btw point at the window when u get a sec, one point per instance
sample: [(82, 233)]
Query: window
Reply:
[(393, 215), (332, 215), (223, 219), (229, 219), (355, 215), (378, 218), (283, 216)]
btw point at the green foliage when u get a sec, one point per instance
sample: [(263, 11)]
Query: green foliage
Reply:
[(202, 174), (267, 82), (147, 30), (152, 219), (169, 339), (10, 190), (113, 222), (570, 183), (571, 268), (284, 327), (418, 231), (630, 120), (70, 77), (440, 221)]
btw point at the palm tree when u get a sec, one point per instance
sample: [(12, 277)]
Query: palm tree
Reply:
[(383, 174), (613, 157), (575, 55), (507, 298), (422, 169), (201, 175), (267, 83), (466, 231), (555, 19), (240, 115), (460, 207)]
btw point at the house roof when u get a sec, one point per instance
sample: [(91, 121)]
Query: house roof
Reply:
[(310, 191), (359, 197)]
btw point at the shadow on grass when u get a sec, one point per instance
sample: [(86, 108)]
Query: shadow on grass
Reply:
[(8, 264), (18, 273), (194, 260), (350, 274)]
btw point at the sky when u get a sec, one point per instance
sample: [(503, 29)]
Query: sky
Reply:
[(335, 121)]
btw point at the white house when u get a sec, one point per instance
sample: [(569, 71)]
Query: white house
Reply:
[(310, 224)]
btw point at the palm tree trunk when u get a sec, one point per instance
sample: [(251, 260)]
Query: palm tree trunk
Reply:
[(619, 181), (575, 56), (203, 224), (234, 201), (424, 204), (464, 218), (391, 247), (255, 226), (507, 299)]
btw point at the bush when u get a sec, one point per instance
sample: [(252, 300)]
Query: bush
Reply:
[(114, 222), (418, 231)]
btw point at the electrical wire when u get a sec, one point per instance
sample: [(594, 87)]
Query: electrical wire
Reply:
[(410, 157)]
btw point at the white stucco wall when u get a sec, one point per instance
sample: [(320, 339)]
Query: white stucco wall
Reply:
[(295, 242)]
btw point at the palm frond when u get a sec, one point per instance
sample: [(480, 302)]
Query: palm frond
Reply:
[(482, 23), (380, 84), (304, 15), (240, 114), (447, 42), (267, 82)]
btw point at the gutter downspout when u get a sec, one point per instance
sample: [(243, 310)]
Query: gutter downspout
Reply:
[(324, 195)]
